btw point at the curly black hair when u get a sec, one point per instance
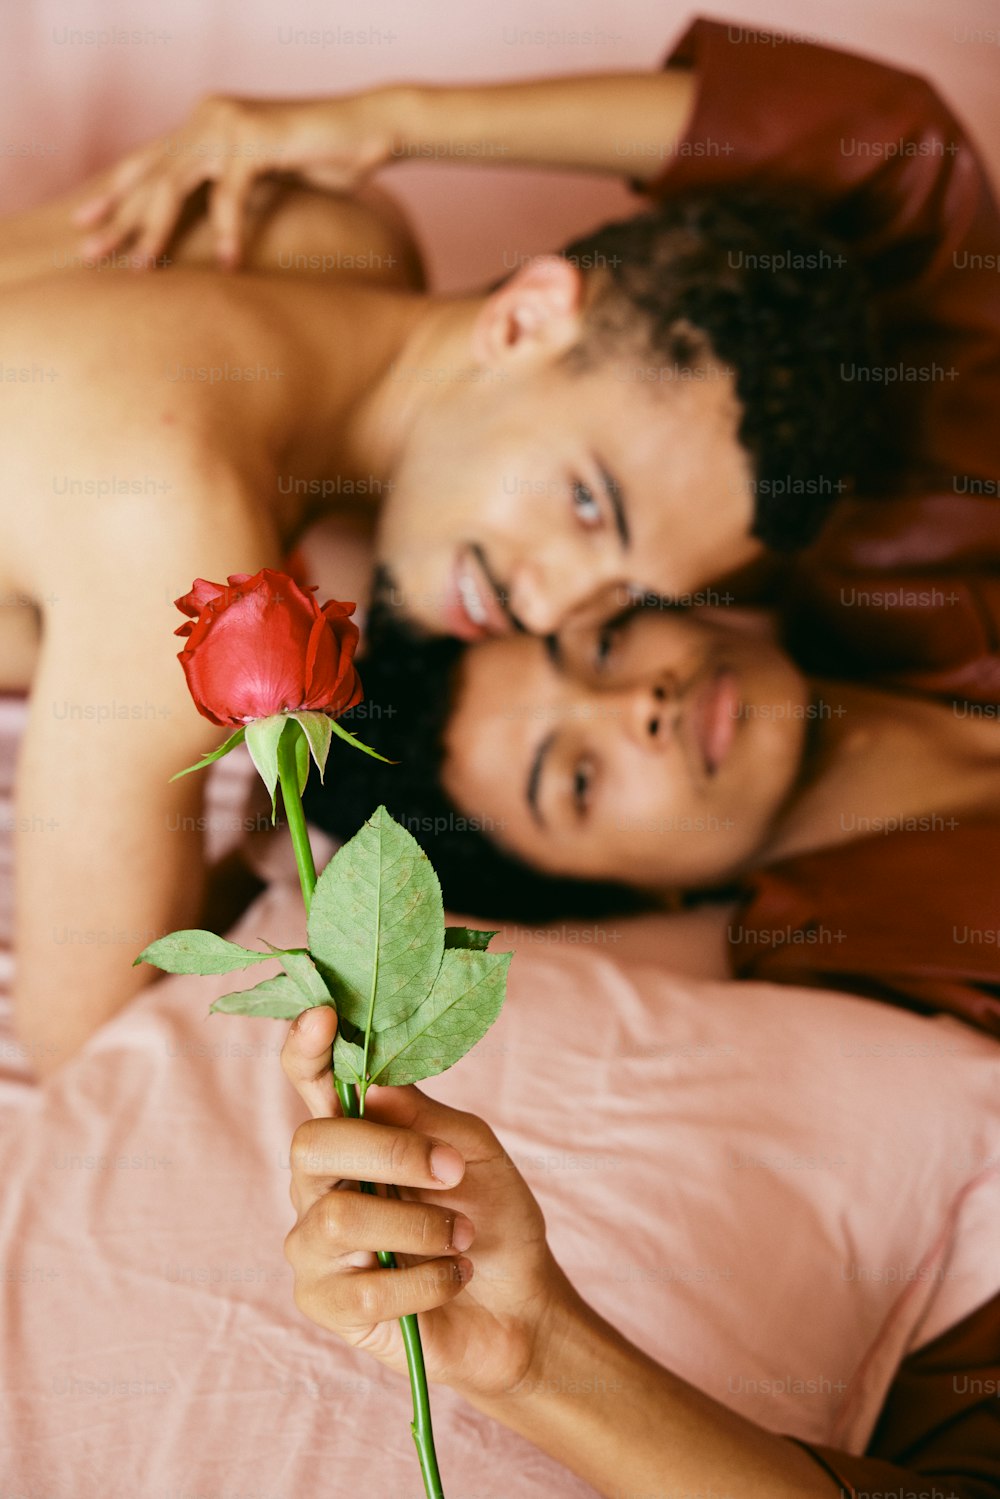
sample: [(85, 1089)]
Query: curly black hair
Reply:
[(410, 685), (755, 281)]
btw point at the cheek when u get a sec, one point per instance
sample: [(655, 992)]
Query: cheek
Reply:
[(662, 829)]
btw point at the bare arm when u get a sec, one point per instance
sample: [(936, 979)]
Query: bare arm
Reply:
[(615, 123), (594, 123), (109, 850), (623, 1423)]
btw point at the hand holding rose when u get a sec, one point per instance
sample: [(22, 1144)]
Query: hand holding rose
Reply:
[(484, 1335)]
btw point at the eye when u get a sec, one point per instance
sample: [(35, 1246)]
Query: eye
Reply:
[(583, 782), (585, 506)]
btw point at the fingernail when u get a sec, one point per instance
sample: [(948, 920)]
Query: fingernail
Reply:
[(463, 1271), (462, 1233), (446, 1165)]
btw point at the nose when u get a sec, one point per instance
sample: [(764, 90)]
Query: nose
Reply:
[(651, 712), (546, 597), (533, 600)]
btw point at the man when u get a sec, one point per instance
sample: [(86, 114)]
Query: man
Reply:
[(157, 431)]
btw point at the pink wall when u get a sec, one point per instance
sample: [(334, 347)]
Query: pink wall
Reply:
[(73, 103)]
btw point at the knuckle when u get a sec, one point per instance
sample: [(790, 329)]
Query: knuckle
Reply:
[(293, 1246), (399, 1154), (331, 1212), (435, 1231), (302, 1153), (370, 1298), (303, 1294)]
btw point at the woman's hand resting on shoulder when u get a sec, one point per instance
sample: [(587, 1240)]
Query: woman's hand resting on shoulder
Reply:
[(230, 144)]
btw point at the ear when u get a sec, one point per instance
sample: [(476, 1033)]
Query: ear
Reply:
[(536, 313)]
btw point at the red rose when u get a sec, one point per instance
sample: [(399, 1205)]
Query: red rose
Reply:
[(263, 645)]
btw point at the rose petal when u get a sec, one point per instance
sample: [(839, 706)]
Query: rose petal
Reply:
[(201, 593)]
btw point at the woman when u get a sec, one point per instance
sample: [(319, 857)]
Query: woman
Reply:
[(677, 755)]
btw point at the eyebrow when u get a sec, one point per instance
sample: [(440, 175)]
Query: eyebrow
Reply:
[(535, 776), (613, 490)]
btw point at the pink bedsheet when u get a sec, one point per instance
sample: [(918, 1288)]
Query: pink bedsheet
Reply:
[(775, 1192)]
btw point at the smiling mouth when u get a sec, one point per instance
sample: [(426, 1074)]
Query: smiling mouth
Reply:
[(474, 610)]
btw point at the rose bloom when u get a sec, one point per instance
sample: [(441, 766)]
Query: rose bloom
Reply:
[(262, 645)]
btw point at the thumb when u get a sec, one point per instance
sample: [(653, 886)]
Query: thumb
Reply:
[(307, 1061)]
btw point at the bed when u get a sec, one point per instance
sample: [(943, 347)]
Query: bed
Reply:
[(778, 1193)]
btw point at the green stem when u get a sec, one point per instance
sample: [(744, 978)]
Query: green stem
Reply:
[(288, 777), (420, 1427)]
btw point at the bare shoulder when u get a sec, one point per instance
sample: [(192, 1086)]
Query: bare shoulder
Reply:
[(104, 436), (109, 605)]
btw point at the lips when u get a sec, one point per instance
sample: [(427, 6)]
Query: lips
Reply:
[(715, 711), (472, 610)]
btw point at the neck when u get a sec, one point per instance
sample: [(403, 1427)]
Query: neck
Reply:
[(366, 358), (874, 760)]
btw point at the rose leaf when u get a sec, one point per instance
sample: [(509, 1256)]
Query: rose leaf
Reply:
[(278, 998), (199, 952), (465, 1001), (376, 925)]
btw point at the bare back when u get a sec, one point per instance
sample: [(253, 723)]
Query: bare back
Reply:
[(143, 422)]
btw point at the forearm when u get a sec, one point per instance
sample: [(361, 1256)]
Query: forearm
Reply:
[(626, 1425), (86, 906), (620, 123)]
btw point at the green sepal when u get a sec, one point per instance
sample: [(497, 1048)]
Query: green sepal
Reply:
[(278, 998), (216, 754), (317, 729), (343, 734), (467, 937), (196, 951), (301, 762), (262, 737)]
